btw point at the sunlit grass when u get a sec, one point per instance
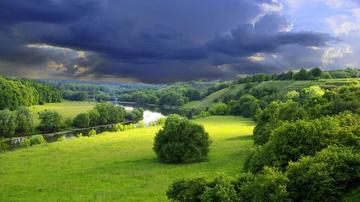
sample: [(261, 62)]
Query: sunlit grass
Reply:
[(67, 109), (116, 166)]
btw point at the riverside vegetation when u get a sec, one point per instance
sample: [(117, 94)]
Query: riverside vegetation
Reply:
[(299, 142)]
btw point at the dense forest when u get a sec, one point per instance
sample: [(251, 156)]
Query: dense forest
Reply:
[(16, 92)]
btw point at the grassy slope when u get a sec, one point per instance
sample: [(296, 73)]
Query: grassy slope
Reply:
[(117, 166), (284, 86), (67, 109)]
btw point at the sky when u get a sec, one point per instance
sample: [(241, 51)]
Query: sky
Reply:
[(175, 40)]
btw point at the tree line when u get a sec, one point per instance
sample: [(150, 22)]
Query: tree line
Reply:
[(21, 123), (22, 92)]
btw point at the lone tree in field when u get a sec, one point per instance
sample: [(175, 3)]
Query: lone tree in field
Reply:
[(181, 141)]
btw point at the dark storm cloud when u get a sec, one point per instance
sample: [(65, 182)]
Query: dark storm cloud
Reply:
[(153, 41)]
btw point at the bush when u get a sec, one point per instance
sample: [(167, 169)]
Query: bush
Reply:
[(7, 123), (82, 120), (61, 138), (37, 139), (187, 190), (219, 109), (24, 121), (51, 121), (92, 132), (25, 142), (118, 127), (3, 146), (181, 141), (221, 189), (270, 185), (324, 177), (141, 124)]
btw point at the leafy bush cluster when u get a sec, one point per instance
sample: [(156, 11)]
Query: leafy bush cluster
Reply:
[(307, 148), (270, 185), (322, 177), (103, 113), (181, 141), (12, 122)]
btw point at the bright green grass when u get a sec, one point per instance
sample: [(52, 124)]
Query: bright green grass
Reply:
[(116, 166), (67, 109)]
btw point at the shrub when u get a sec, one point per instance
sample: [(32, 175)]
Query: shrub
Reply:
[(221, 189), (203, 114), (3, 146), (181, 141), (37, 139), (325, 176), (51, 121), (24, 121), (61, 138), (187, 190), (270, 185), (25, 142), (118, 127), (7, 123), (82, 120), (92, 132), (219, 109), (141, 124)]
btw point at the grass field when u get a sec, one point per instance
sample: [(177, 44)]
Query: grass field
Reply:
[(116, 166), (67, 109)]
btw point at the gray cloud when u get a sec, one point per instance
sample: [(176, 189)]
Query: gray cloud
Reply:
[(151, 41)]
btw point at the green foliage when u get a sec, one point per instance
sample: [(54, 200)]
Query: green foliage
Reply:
[(270, 185), (134, 115), (82, 120), (324, 177), (37, 139), (219, 109), (172, 99), (109, 113), (3, 146), (187, 190), (221, 189), (246, 106), (118, 127), (291, 140), (7, 123), (181, 141), (20, 92), (26, 142), (24, 121), (51, 121), (92, 132)]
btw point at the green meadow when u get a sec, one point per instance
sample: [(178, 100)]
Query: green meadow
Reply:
[(67, 109), (119, 166)]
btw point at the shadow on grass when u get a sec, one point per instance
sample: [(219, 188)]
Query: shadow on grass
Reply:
[(243, 137)]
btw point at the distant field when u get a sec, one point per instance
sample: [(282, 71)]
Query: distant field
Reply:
[(117, 166), (67, 109)]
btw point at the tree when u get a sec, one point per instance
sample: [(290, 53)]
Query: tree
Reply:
[(24, 121), (82, 120), (7, 123), (325, 176), (315, 72), (51, 121), (301, 75), (181, 141), (172, 99), (219, 109), (245, 106)]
